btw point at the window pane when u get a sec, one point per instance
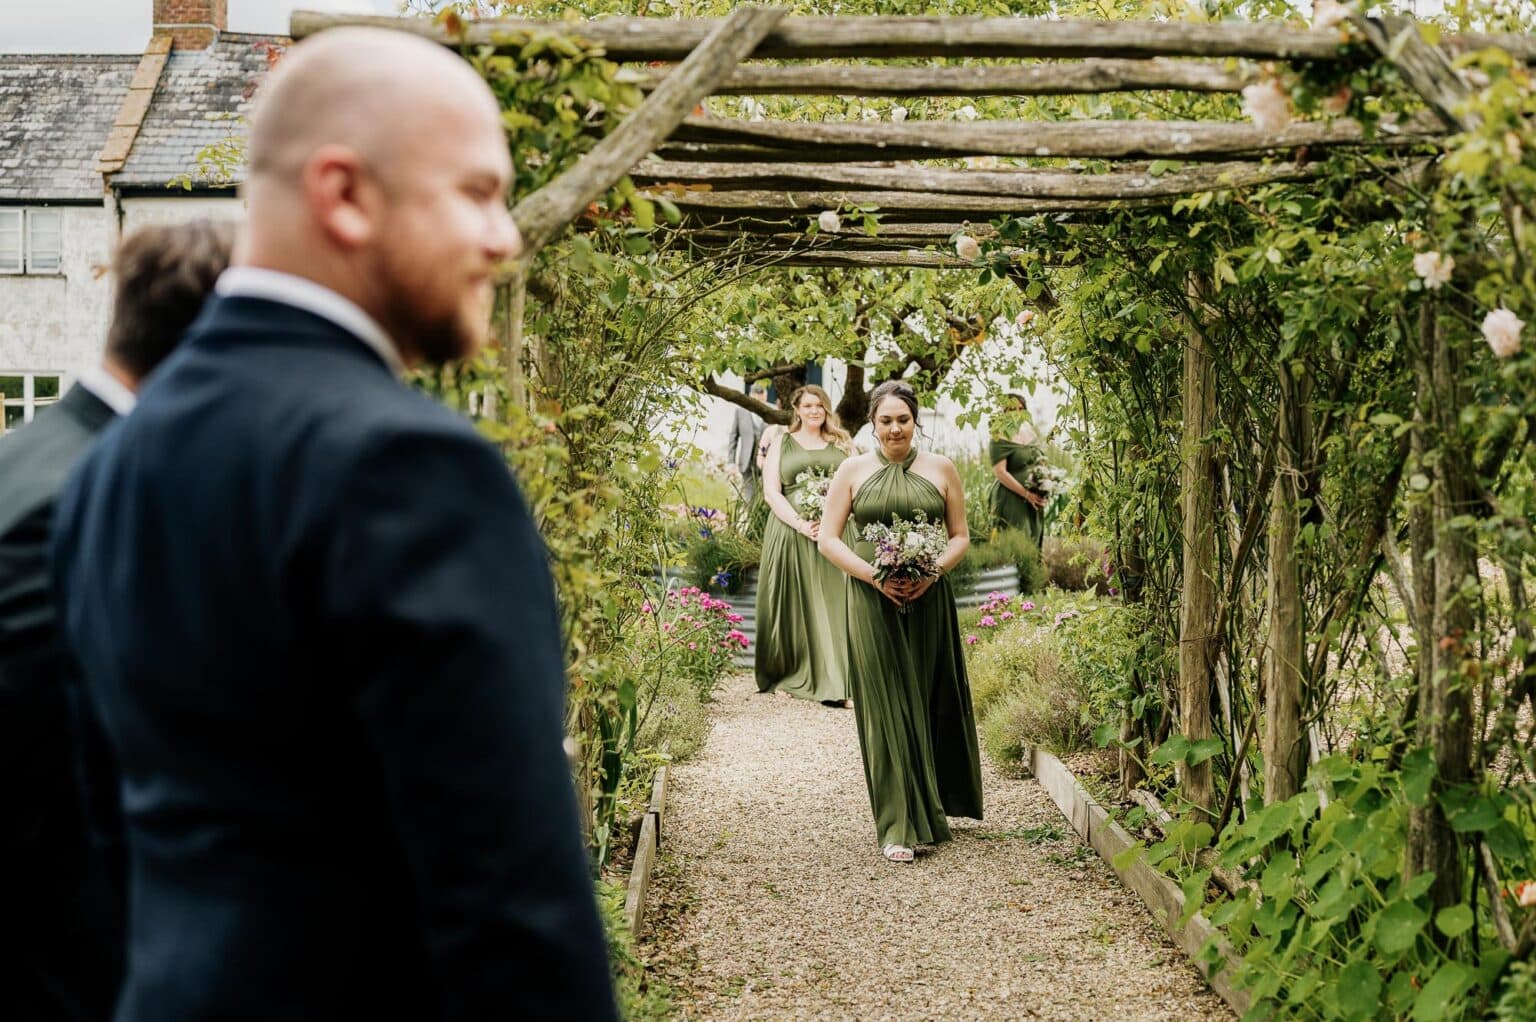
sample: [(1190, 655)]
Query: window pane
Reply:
[(10, 241), (14, 417), (45, 387), (45, 240), (11, 387)]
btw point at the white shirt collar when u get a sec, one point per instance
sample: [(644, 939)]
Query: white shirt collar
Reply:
[(301, 293), (108, 388)]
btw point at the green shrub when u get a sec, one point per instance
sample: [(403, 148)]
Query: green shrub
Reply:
[(1025, 656), (642, 998), (673, 717), (976, 482), (1013, 547), (1076, 564), (718, 558), (1517, 998), (1029, 714)]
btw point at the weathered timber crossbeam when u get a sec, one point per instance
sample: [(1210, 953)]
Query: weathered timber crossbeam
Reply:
[(914, 258), (1020, 183), (875, 37), (1088, 76), (910, 205), (547, 211), (835, 142), (853, 239)]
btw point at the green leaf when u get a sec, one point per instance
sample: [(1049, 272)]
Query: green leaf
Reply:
[(1359, 988), (1398, 926), (1482, 815), (1173, 750), (1203, 750), (1454, 921), (1437, 1000), (1418, 769)]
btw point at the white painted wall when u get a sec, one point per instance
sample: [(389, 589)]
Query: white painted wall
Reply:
[(57, 323), (54, 323)]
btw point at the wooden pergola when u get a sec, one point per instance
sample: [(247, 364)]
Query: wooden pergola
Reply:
[(731, 176), (752, 187)]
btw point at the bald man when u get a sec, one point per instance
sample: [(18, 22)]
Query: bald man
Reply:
[(310, 605)]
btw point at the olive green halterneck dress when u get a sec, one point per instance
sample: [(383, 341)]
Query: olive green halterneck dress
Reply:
[(1009, 510), (802, 598), (911, 696)]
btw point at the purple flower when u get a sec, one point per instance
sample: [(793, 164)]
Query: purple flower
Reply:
[(1007, 615), (987, 621), (1027, 605), (971, 640)]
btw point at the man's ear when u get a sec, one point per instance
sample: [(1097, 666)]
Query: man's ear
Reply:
[(335, 185)]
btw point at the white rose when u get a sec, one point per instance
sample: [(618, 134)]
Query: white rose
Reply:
[(966, 113), (1434, 268), (967, 248), (829, 221), (1502, 330), (1328, 13), (1267, 105), (899, 114), (1024, 318), (871, 114)]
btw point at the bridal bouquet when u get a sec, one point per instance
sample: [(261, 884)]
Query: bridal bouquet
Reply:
[(907, 549), (810, 500), (1047, 480)]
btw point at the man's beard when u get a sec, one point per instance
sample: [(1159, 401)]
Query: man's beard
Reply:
[(432, 337)]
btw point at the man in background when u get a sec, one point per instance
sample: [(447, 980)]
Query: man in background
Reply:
[(741, 449), (312, 608), (61, 884)]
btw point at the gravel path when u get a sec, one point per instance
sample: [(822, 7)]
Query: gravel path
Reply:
[(772, 901)]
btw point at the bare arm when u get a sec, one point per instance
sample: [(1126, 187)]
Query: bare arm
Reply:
[(773, 491), (954, 523), (1000, 470), (833, 520)]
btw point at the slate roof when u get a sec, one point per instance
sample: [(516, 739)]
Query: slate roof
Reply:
[(202, 98), (55, 113)]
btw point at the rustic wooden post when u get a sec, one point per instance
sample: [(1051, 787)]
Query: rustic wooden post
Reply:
[(1282, 747), (549, 210), (1445, 724), (513, 348), (1197, 610)]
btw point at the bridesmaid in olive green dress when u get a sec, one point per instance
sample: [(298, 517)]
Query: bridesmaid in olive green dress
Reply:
[(911, 696), (1014, 505), (802, 600)]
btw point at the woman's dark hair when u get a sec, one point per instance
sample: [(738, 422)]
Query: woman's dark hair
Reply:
[(897, 389)]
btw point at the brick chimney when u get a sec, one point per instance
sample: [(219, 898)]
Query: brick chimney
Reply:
[(191, 24)]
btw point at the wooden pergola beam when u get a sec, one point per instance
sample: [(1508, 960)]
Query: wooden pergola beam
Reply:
[(838, 142), (547, 211), (1016, 183), (876, 37), (1425, 68), (914, 258), (908, 205), (1088, 76)]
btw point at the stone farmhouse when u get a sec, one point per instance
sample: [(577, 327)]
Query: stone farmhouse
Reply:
[(90, 147)]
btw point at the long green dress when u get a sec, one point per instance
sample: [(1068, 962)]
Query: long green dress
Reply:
[(1009, 510), (802, 598), (911, 696)]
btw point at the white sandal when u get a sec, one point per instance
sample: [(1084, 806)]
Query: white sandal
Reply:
[(898, 853)]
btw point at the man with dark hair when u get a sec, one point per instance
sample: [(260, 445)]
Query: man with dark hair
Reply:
[(312, 607), (61, 925)]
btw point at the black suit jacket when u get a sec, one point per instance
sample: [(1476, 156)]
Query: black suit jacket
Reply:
[(61, 928), (319, 627)]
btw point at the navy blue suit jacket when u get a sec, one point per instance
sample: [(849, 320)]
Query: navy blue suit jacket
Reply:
[(318, 625)]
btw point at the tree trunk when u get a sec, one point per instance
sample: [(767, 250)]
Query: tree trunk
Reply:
[(1197, 611), (1445, 723), (1284, 753)]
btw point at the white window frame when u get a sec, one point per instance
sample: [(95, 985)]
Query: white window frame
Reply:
[(29, 402), (31, 240), (13, 254), (51, 259)]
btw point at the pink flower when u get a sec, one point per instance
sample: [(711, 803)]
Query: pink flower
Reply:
[(1525, 893), (987, 621), (667, 627), (1007, 615), (735, 619), (971, 640), (1501, 328), (693, 645), (646, 608), (1268, 105), (1027, 605)]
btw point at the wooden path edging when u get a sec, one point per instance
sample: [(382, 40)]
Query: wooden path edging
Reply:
[(646, 850), (1161, 895)]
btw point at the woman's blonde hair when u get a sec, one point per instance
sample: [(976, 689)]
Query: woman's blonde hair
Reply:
[(831, 430)]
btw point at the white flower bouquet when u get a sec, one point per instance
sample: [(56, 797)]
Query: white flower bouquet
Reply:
[(810, 499), (1046, 480), (907, 548)]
